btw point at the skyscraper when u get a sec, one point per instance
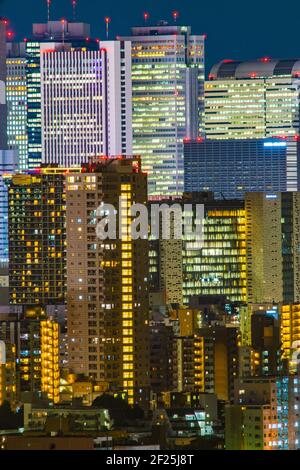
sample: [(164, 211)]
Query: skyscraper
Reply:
[(8, 158), (252, 100), (229, 168), (37, 238), (3, 137), (208, 361), (184, 268), (8, 166), (167, 90), (44, 37), (86, 102), (16, 95), (272, 228), (219, 266), (107, 297)]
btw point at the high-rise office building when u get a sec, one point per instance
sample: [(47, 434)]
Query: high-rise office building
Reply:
[(8, 162), (252, 100), (273, 231), (219, 266), (37, 238), (107, 297), (229, 168), (181, 269), (16, 96), (8, 166), (86, 102), (167, 94), (44, 37)]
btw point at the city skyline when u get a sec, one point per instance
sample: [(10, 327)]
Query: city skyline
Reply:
[(221, 29), (149, 229)]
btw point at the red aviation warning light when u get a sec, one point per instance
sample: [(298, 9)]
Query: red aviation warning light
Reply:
[(175, 15), (265, 59), (107, 21), (10, 35), (146, 16)]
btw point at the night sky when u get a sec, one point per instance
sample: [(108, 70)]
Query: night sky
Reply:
[(235, 29)]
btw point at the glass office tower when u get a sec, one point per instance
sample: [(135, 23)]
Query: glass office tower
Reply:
[(230, 168), (255, 99), (44, 37), (167, 89), (16, 96)]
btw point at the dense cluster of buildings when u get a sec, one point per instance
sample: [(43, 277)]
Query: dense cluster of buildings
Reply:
[(202, 338)]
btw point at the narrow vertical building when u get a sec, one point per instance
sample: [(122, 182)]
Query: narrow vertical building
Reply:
[(272, 235), (16, 96), (3, 136), (107, 295)]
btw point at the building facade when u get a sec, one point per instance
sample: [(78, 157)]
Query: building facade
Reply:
[(272, 228), (252, 100), (8, 166), (230, 168), (107, 279), (45, 37), (3, 107), (16, 96), (33, 342), (37, 237), (167, 90), (86, 102), (219, 267)]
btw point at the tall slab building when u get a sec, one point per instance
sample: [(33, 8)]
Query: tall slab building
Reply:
[(272, 247), (16, 96), (168, 104), (44, 37), (3, 137), (86, 102), (8, 160), (107, 291)]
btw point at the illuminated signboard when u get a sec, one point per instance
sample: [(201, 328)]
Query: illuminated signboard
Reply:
[(274, 144)]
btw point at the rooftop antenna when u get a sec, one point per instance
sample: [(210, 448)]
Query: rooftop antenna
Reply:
[(63, 22), (48, 10), (175, 15), (146, 17), (74, 5), (107, 21)]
